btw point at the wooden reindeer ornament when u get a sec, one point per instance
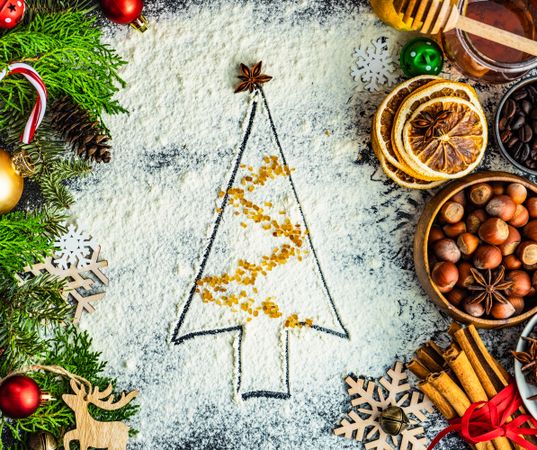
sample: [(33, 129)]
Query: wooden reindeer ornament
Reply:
[(90, 432)]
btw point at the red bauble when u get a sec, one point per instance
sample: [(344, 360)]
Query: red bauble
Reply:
[(20, 396), (125, 12), (11, 12)]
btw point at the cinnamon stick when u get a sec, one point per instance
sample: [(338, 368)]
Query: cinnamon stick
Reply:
[(418, 369), (438, 400), (465, 373)]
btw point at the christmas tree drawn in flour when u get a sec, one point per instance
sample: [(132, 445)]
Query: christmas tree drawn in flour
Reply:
[(260, 276)]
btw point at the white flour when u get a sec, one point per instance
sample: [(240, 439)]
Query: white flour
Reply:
[(153, 208)]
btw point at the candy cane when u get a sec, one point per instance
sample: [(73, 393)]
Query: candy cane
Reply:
[(41, 102)]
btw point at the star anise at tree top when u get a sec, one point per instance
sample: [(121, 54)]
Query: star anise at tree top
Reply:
[(528, 359), (250, 77), (488, 289), (431, 124)]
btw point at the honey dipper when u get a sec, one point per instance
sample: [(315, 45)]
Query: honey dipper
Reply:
[(433, 16)]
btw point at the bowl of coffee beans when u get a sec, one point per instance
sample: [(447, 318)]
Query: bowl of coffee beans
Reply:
[(516, 125)]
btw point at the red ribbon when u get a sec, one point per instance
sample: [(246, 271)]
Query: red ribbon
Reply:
[(484, 421)]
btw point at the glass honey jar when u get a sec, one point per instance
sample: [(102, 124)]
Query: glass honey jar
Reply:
[(481, 59)]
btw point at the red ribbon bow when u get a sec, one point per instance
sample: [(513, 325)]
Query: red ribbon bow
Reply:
[(484, 421)]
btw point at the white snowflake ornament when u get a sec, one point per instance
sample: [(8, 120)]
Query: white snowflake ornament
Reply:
[(374, 65), (74, 248), (369, 399)]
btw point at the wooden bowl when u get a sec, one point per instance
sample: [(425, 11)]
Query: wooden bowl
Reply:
[(421, 256)]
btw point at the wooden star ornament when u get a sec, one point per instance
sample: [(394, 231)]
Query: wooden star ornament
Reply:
[(251, 77)]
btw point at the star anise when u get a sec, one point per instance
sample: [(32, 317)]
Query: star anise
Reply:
[(488, 290), (528, 360), (431, 124), (251, 77)]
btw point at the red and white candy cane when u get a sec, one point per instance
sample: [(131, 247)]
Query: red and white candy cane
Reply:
[(41, 103)]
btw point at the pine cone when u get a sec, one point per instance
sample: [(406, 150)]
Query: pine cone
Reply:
[(86, 137)]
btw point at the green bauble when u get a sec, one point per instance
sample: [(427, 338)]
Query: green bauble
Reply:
[(421, 56)]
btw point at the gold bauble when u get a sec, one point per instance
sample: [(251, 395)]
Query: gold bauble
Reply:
[(11, 183), (42, 441)]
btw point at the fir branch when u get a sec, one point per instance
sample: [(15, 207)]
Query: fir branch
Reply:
[(70, 349), (24, 238), (26, 311), (66, 50)]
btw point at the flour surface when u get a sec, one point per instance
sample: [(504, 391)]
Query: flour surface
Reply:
[(153, 210)]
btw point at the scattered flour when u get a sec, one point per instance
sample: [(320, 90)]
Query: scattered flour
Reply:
[(153, 208)]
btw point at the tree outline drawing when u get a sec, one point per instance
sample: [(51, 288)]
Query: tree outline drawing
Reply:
[(178, 338)]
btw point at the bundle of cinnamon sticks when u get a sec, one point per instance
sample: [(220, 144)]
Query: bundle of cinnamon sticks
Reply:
[(462, 374)]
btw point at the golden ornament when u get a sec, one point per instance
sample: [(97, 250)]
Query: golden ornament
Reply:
[(393, 420), (12, 173), (42, 441)]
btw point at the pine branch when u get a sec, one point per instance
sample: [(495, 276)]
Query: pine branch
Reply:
[(66, 50), (71, 349), (24, 238)]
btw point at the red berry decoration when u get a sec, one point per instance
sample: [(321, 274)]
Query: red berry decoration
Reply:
[(125, 12), (11, 12), (20, 397)]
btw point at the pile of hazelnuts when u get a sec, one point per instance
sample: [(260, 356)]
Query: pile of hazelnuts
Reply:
[(483, 227)]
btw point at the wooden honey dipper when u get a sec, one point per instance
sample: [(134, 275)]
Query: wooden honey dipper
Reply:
[(433, 16)]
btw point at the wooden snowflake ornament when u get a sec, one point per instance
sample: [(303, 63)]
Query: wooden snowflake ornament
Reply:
[(82, 272), (370, 399)]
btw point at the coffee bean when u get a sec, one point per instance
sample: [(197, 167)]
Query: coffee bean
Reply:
[(532, 165), (511, 142), (520, 94), (525, 134), (517, 122), (505, 135), (533, 155), (534, 126), (502, 124), (525, 152), (509, 108), (532, 92), (533, 114), (516, 151), (525, 106), (534, 144)]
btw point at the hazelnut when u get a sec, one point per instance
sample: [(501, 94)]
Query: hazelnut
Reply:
[(502, 206), (518, 303), (494, 231), (521, 217), (487, 257), (530, 230), (465, 275), (502, 310), (475, 219), (532, 292), (447, 250), (467, 243), (436, 234), (452, 212), (511, 243), (511, 262), (453, 230), (455, 296), (531, 206), (498, 188), (459, 197), (480, 194), (517, 192), (475, 309), (521, 283), (527, 253), (445, 275)]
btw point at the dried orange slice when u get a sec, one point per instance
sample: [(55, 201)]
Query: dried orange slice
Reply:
[(383, 120), (445, 137), (402, 178), (415, 99)]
